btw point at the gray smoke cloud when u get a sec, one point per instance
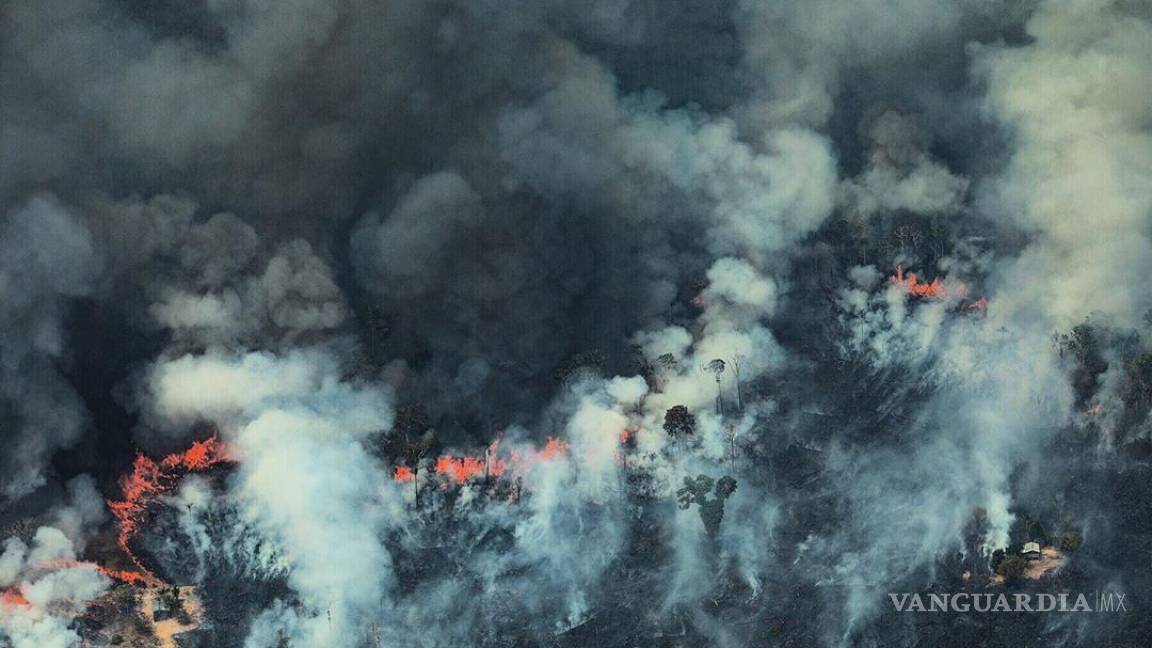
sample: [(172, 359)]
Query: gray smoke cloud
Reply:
[(48, 258)]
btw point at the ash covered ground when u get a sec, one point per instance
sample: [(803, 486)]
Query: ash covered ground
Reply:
[(359, 323)]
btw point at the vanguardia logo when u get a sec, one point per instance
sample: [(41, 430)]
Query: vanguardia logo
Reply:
[(989, 602)]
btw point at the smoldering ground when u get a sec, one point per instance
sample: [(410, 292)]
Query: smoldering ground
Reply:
[(351, 236)]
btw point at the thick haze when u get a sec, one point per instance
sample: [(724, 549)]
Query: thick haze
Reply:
[(298, 222)]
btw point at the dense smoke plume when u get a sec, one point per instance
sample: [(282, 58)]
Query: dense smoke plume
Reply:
[(623, 322)]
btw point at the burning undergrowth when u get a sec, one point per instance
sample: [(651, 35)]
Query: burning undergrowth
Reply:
[(143, 487)]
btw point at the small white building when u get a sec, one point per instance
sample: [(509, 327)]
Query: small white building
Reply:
[(1031, 550)]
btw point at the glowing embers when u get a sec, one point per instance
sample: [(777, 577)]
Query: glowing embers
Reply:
[(142, 487)]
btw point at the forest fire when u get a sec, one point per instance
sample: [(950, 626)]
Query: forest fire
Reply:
[(143, 486), (123, 575), (464, 468), (13, 598), (934, 290), (555, 448), (461, 469)]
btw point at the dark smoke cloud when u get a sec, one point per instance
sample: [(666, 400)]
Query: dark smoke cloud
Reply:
[(48, 259)]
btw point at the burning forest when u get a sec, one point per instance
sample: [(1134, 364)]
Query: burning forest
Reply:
[(356, 324)]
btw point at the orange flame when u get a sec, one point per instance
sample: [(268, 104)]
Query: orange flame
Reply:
[(144, 485), (464, 468), (935, 290), (554, 449), (200, 456), (13, 598), (124, 575)]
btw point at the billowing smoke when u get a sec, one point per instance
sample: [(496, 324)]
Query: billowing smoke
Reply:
[(41, 596), (48, 259), (550, 323), (307, 482)]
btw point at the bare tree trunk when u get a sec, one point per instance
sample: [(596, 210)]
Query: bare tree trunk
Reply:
[(736, 370), (416, 484)]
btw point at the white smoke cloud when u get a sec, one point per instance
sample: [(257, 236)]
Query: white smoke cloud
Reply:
[(760, 202), (736, 302), (1079, 174), (305, 481), (1077, 179), (51, 595)]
